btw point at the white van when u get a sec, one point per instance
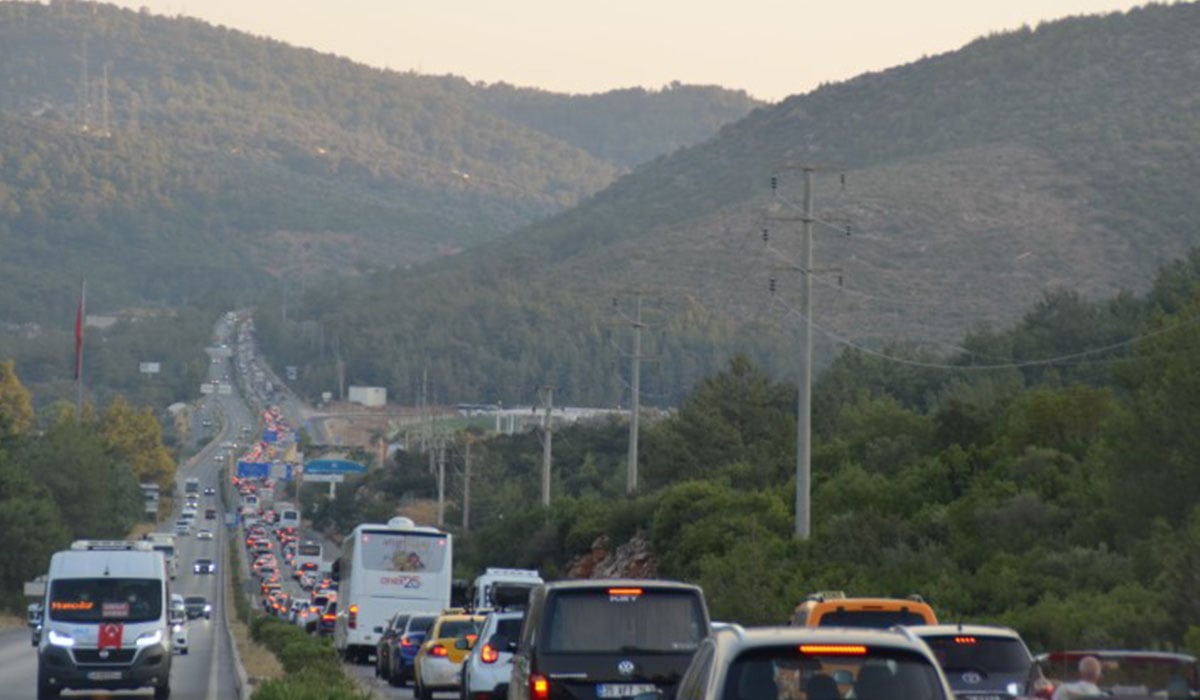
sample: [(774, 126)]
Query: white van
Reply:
[(106, 621)]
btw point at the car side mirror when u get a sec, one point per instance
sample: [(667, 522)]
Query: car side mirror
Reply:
[(462, 643), (378, 630)]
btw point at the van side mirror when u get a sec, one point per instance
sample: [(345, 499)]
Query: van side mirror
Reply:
[(335, 572), (378, 630)]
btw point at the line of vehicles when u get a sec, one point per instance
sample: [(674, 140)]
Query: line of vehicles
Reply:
[(653, 640)]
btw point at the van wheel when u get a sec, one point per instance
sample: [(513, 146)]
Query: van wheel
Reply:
[(47, 691)]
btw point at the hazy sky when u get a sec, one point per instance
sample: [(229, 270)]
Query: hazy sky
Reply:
[(770, 48)]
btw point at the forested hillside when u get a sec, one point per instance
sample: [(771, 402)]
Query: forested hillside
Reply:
[(1044, 477), (1055, 158), (174, 161)]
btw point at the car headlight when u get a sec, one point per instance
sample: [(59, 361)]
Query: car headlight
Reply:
[(60, 639), (149, 638), (1013, 689), (207, 609)]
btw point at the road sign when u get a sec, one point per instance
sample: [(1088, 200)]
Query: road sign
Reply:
[(325, 478), (334, 466), (255, 470)]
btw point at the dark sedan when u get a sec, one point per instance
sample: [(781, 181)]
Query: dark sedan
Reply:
[(197, 606)]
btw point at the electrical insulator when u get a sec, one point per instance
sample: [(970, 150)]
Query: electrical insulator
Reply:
[(771, 285), (774, 183), (766, 236)]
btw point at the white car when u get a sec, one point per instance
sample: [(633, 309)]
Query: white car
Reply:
[(486, 669), (204, 534)]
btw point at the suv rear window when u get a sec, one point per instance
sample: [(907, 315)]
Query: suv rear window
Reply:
[(421, 623), (991, 654), (866, 673), (612, 621)]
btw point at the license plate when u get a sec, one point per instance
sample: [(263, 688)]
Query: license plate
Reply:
[(104, 675), (623, 690)]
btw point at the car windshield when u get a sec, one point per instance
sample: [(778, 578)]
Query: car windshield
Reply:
[(625, 621), (106, 599), (959, 652), (861, 672)]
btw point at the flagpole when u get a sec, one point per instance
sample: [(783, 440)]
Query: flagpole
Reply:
[(80, 315)]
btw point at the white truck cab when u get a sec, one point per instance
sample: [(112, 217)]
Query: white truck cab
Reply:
[(106, 620)]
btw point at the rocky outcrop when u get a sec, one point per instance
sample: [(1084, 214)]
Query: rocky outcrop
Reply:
[(633, 559)]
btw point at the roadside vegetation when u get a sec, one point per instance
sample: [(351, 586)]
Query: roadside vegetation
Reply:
[(64, 477), (1058, 496)]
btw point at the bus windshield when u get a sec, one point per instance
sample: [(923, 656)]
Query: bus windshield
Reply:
[(106, 600)]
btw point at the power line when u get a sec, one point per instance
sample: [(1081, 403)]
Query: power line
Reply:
[(1059, 359)]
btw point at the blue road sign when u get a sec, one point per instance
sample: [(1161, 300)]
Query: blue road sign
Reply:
[(334, 466), (253, 470)]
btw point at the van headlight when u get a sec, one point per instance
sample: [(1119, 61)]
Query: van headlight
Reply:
[(60, 639), (149, 638)]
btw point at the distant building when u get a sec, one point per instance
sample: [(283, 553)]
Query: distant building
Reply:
[(372, 396)]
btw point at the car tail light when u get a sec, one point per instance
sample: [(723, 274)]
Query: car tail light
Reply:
[(488, 654), (352, 620), (328, 617), (838, 649), (539, 687), (406, 642), (438, 650)]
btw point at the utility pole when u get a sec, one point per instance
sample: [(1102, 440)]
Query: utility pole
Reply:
[(803, 514), (804, 401), (547, 393), (466, 521), (441, 481), (635, 402)]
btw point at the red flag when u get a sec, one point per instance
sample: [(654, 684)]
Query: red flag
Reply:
[(110, 636), (79, 337)]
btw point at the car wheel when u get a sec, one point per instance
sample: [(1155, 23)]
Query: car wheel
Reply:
[(162, 692)]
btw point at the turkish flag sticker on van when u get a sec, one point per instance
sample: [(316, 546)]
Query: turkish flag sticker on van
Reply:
[(110, 636)]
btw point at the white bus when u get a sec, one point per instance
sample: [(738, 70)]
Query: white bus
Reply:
[(384, 569), (309, 557)]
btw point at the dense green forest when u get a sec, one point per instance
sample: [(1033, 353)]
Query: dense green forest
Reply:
[(64, 477), (1043, 477), (1038, 160), (174, 160)]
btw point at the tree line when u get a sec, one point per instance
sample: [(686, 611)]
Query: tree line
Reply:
[(1046, 477), (65, 476)]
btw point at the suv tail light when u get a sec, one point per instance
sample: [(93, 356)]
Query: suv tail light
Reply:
[(488, 654), (539, 687), (352, 620)]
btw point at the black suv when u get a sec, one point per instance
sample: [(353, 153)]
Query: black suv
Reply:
[(607, 639), (981, 661)]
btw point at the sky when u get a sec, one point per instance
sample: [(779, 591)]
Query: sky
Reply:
[(769, 48)]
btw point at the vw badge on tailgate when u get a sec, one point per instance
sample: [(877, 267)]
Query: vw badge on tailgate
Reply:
[(625, 668)]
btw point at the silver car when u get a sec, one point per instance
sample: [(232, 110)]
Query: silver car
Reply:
[(816, 663)]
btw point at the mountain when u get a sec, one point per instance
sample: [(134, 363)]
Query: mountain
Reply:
[(972, 183), (173, 162)]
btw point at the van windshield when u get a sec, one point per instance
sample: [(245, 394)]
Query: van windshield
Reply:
[(106, 600), (605, 620)]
